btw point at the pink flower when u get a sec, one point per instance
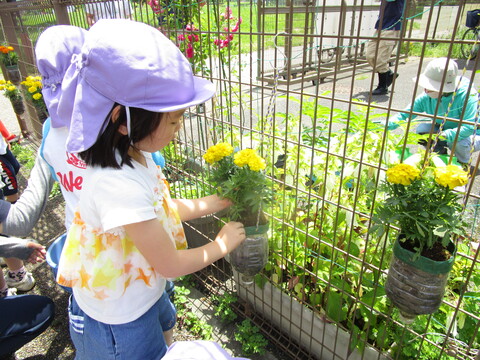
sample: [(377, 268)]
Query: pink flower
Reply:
[(237, 25), (228, 14), (190, 27), (189, 51), (221, 43), (193, 38), (230, 37), (181, 37), (155, 6)]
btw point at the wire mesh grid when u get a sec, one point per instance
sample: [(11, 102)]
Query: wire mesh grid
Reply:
[(293, 82)]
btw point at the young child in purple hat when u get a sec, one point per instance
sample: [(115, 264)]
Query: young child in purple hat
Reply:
[(126, 93)]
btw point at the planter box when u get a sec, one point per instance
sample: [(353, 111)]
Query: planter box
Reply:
[(322, 339)]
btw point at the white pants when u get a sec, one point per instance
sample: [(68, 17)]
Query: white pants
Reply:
[(385, 49)]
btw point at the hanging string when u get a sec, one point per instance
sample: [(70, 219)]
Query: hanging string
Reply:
[(271, 105)]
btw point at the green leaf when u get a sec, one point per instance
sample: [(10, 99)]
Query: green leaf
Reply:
[(335, 307)]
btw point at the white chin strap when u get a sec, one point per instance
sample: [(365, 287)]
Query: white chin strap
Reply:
[(129, 127)]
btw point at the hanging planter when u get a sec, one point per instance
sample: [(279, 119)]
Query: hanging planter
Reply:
[(13, 74), (18, 106), (251, 256), (421, 201), (42, 114), (416, 284), (239, 177)]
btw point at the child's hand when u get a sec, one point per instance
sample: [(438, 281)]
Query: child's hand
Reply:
[(38, 253), (231, 235)]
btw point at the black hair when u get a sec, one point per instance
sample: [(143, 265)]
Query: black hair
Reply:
[(102, 153)]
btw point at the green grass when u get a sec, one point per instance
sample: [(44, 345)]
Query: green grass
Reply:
[(273, 24)]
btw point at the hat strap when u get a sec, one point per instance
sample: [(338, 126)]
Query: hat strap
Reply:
[(129, 127)]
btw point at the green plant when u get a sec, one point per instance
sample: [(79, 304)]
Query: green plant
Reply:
[(25, 156), (215, 38), (239, 177), (10, 90), (8, 56), (187, 318), (422, 202), (33, 90), (324, 185), (253, 342), (223, 307)]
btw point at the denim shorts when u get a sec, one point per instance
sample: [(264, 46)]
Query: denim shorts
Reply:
[(139, 339)]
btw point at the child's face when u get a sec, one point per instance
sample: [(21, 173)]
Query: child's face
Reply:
[(432, 94), (166, 132)]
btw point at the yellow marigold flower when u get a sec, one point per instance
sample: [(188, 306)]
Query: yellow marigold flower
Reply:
[(37, 96), (450, 176), (38, 84), (402, 174), (249, 157), (217, 152), (2, 87), (10, 48), (257, 164), (242, 157), (11, 88), (32, 89), (2, 81)]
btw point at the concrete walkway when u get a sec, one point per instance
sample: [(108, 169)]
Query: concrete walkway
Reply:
[(7, 116)]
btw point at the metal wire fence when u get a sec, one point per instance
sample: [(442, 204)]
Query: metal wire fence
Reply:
[(293, 83)]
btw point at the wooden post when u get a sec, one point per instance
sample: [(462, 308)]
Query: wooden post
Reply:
[(61, 12)]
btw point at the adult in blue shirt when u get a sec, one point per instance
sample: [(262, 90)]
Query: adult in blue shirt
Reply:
[(379, 50), (456, 98)]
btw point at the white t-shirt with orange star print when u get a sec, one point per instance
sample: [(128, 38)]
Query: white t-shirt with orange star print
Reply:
[(111, 280)]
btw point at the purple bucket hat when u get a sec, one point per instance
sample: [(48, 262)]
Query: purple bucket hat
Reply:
[(54, 51), (129, 63)]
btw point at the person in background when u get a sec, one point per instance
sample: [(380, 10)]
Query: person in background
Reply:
[(110, 9), (23, 317), (378, 51), (127, 92), (7, 135), (8, 171), (446, 95)]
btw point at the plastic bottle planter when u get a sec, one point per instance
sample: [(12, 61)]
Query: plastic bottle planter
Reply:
[(417, 287), (18, 106), (42, 114), (13, 74), (252, 255)]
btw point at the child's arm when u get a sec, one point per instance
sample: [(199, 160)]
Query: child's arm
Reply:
[(189, 209), (155, 245), (23, 249)]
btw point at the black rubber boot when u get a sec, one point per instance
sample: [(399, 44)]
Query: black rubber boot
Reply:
[(382, 87), (390, 76), (441, 147)]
